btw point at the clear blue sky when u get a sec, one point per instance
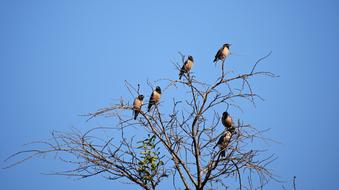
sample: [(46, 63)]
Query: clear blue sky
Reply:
[(63, 58)]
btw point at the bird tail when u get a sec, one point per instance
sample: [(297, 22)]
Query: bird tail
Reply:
[(136, 112), (182, 71), (149, 106)]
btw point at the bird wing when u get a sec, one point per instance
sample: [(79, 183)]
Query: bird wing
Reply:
[(151, 101), (151, 97), (217, 55), (182, 70), (223, 121), (221, 139)]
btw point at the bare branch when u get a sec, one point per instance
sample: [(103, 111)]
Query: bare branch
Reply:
[(186, 138)]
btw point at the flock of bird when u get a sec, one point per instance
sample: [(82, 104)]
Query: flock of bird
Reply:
[(226, 119)]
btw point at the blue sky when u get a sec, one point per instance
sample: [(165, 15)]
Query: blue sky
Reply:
[(63, 58)]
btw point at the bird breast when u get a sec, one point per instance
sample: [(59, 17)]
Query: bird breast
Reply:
[(228, 136), (229, 120), (156, 96), (188, 65), (225, 52), (226, 139), (137, 103)]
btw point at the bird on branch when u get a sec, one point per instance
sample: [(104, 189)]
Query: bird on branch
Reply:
[(222, 53), (138, 102), (155, 97), (223, 142), (227, 121), (186, 67)]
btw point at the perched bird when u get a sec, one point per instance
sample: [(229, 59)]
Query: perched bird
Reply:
[(138, 102), (223, 142), (222, 53), (155, 97), (226, 120), (186, 67)]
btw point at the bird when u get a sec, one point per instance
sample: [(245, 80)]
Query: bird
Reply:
[(223, 142), (222, 53), (187, 66), (138, 102), (226, 119), (155, 97)]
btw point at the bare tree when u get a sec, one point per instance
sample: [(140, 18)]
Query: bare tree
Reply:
[(181, 143)]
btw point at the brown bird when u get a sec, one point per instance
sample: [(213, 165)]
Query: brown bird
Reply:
[(138, 102), (186, 67), (222, 53), (227, 121), (223, 142), (155, 97)]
